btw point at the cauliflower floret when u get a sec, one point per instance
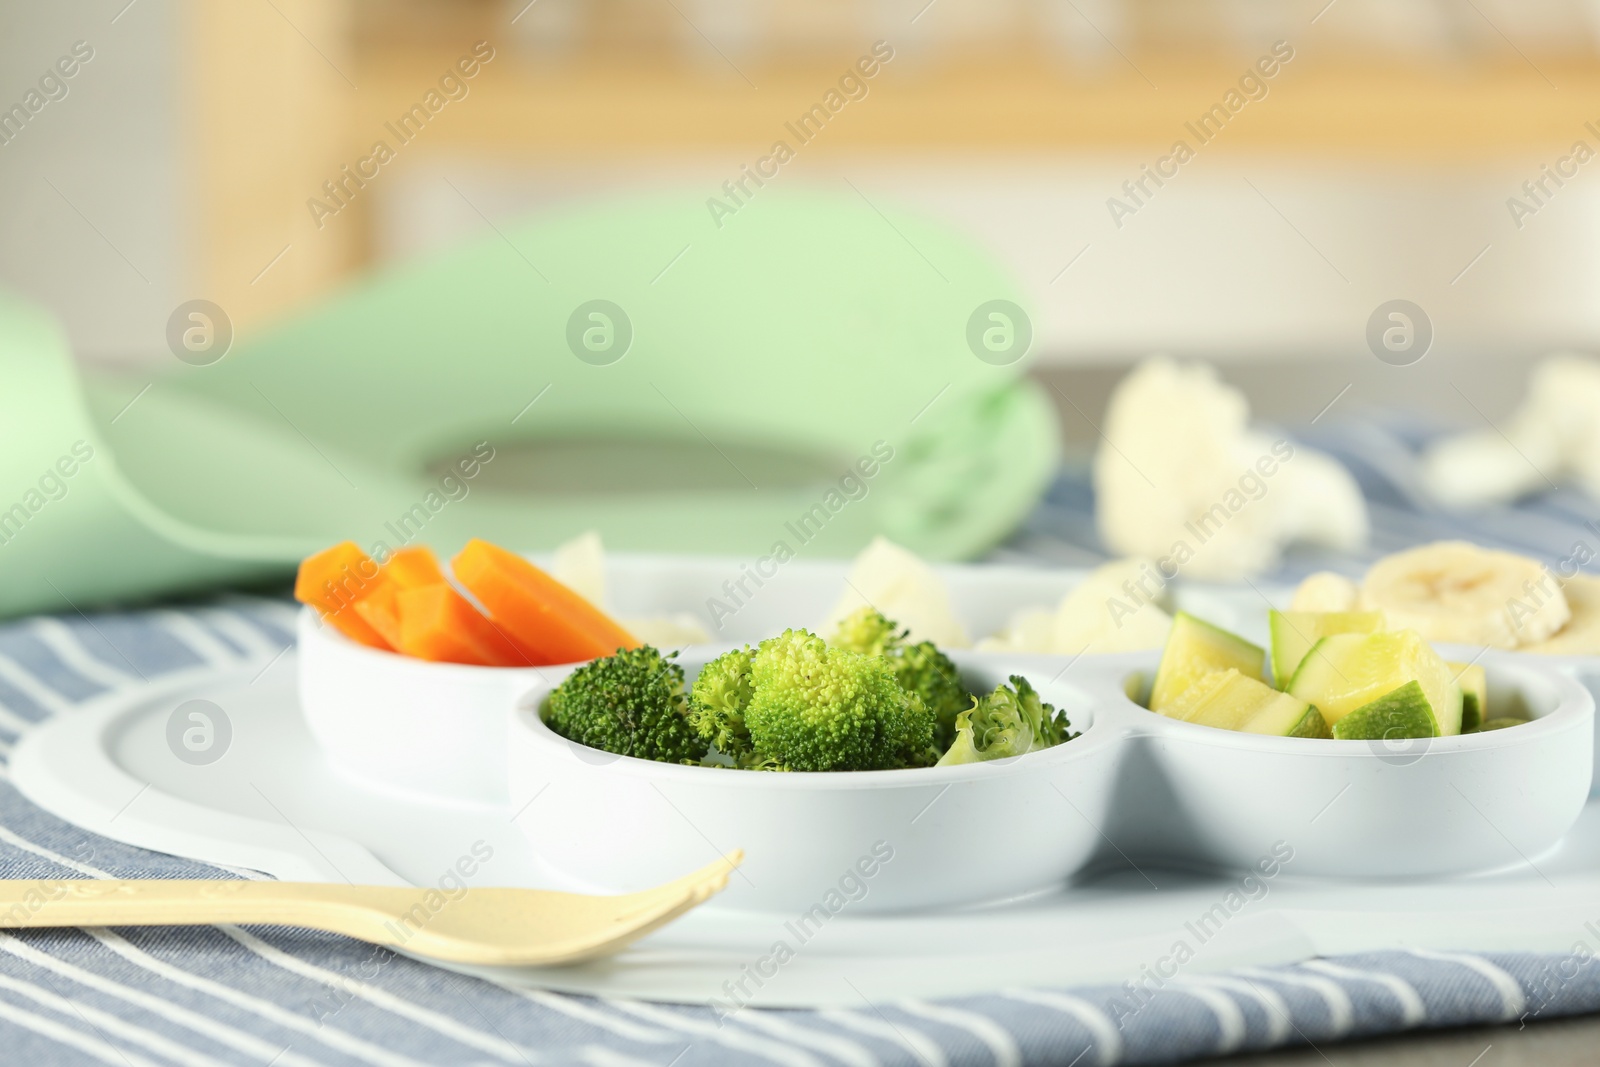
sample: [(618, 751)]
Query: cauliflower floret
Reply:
[(902, 586), (1183, 481), (1554, 433)]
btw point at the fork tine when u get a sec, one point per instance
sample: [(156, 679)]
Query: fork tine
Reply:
[(608, 930), (633, 926), (714, 875)]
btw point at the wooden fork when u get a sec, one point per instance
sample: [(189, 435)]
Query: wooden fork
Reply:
[(492, 927)]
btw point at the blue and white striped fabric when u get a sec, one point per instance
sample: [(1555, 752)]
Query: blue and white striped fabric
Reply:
[(293, 998)]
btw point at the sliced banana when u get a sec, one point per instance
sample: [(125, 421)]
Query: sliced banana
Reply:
[(1455, 591), (1581, 635), (1326, 591)]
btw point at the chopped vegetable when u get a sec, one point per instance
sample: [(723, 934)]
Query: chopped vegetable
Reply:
[(1474, 683), (333, 581), (1500, 723), (1400, 713), (1194, 649), (1230, 701), (631, 703), (407, 568), (1345, 672), (919, 667), (1007, 722), (380, 609), (1294, 632), (413, 567), (1111, 610), (718, 701), (815, 708), (550, 621), (904, 586), (439, 624)]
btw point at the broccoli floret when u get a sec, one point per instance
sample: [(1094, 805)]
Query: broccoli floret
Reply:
[(718, 700), (1007, 722), (631, 703), (920, 668), (816, 708), (865, 630), (1050, 724)]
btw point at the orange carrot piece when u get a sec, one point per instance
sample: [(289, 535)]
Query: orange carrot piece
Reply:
[(534, 609), (380, 609), (406, 568), (333, 580), (439, 624), (413, 567)]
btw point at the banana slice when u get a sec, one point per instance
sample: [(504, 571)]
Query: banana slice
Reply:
[(1581, 635), (1326, 591), (1455, 591)]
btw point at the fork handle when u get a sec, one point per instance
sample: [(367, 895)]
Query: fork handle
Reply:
[(182, 902)]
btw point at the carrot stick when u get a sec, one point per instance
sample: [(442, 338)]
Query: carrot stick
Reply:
[(335, 579), (380, 609), (439, 624), (415, 566), (534, 609)]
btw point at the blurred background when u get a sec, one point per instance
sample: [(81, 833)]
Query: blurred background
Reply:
[(1378, 165)]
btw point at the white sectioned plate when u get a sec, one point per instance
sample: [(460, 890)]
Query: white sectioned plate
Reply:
[(274, 802)]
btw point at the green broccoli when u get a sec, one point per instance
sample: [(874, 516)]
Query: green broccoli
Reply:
[(920, 668), (718, 700), (816, 708), (631, 703), (1007, 722)]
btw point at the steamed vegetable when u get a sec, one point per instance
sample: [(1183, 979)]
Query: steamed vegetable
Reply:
[(547, 619), (1230, 701), (919, 667), (408, 568), (1339, 674), (438, 624), (797, 703), (631, 703), (1194, 649), (1007, 722), (903, 586), (815, 708), (332, 582), (718, 702)]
